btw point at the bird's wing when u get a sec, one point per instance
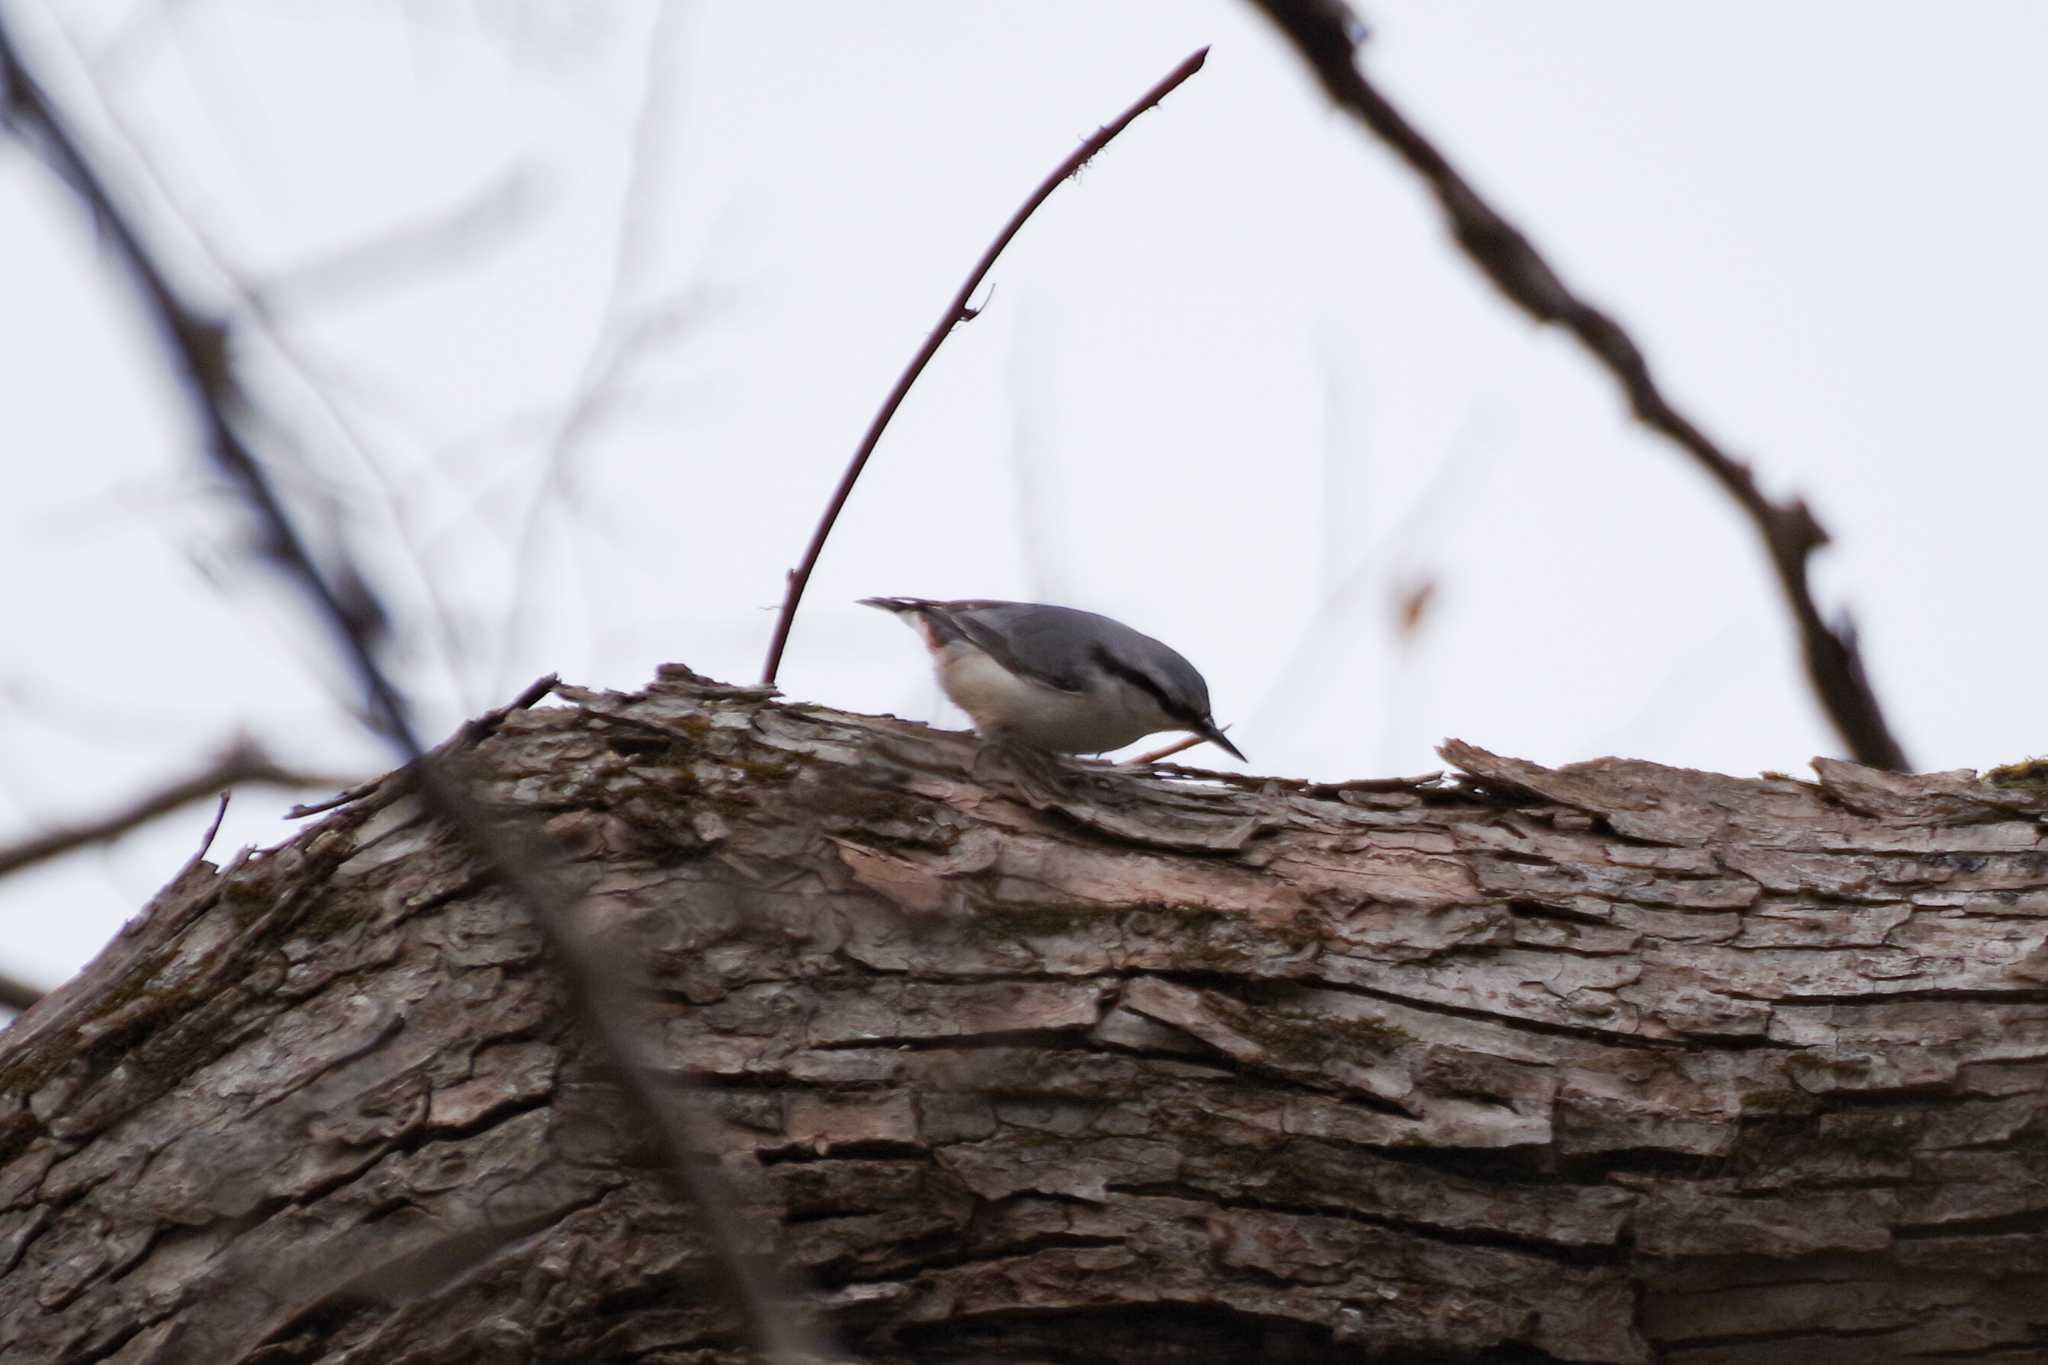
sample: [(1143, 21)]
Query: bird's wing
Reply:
[(1011, 632)]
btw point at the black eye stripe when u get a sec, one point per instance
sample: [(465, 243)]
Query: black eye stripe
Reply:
[(1145, 683)]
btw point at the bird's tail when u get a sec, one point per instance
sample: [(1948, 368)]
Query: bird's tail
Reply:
[(897, 604), (921, 614)]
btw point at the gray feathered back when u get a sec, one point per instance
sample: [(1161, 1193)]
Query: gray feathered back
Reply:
[(1059, 645)]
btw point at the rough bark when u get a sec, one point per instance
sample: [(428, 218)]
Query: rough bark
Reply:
[(1609, 1063)]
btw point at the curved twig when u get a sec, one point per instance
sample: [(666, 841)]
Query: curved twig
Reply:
[(1326, 33), (957, 312)]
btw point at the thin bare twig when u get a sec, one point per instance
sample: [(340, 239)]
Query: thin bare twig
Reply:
[(1327, 33), (240, 763), (191, 864), (346, 796), (197, 345), (957, 312), (220, 813)]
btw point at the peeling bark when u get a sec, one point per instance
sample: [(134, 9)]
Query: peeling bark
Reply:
[(1609, 1063)]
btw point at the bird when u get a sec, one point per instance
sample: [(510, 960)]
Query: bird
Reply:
[(1057, 678)]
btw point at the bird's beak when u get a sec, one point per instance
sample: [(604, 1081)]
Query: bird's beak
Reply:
[(1209, 732)]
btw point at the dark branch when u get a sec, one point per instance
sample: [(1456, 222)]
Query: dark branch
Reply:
[(16, 994), (957, 312), (1326, 32), (198, 347)]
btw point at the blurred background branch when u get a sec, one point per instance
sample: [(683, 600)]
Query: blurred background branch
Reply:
[(525, 863), (1327, 34), (241, 763)]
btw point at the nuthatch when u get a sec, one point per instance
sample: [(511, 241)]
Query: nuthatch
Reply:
[(1057, 678)]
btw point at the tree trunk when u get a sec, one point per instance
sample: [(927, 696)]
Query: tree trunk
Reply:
[(1610, 1063)]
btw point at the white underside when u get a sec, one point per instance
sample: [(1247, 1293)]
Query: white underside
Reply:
[(1107, 715)]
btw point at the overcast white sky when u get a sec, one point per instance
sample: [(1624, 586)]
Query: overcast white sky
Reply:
[(1233, 385)]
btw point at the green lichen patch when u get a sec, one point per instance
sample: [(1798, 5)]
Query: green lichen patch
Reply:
[(2031, 773)]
